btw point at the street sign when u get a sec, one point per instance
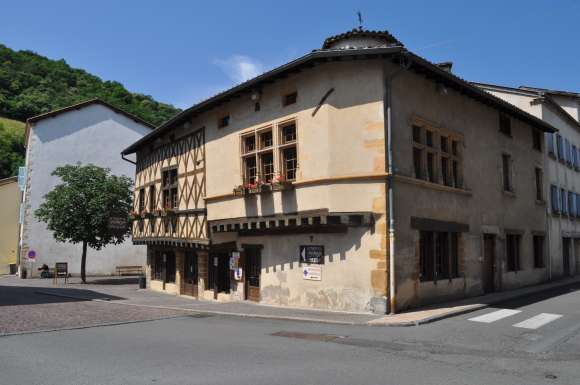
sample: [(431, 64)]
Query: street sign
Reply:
[(312, 254), (312, 273), (31, 255), (238, 274), (118, 223)]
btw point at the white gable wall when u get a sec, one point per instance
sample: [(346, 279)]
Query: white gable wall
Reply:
[(93, 134)]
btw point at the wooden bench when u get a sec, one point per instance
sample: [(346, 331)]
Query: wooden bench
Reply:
[(129, 270)]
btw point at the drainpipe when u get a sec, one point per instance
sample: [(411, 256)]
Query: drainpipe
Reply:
[(387, 109)]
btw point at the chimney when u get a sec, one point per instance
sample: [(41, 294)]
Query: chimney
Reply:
[(446, 66)]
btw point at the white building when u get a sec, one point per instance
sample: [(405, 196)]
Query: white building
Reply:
[(90, 132), (561, 173)]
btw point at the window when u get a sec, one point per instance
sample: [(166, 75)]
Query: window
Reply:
[(550, 144), (170, 224), (538, 251), (537, 139), (152, 221), (513, 251), (438, 255), (224, 121), (288, 133), (568, 152), (564, 201), (250, 170), (266, 140), (170, 267), (290, 98), (539, 185), (560, 147), (572, 203), (265, 155), (506, 169), (141, 199), (158, 267), (289, 163), (152, 202), (505, 125), (577, 197), (555, 199), (574, 156), (267, 167), (169, 186), (438, 158), (418, 162)]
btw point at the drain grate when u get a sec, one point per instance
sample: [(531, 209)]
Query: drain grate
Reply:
[(307, 336)]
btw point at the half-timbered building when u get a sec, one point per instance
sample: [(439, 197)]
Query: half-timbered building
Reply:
[(358, 177)]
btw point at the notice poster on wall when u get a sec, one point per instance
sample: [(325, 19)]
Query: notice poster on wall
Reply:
[(234, 260), (312, 273)]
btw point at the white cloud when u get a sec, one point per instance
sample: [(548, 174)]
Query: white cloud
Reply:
[(240, 68)]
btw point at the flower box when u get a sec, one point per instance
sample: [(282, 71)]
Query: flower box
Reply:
[(265, 188), (240, 191), (282, 185)]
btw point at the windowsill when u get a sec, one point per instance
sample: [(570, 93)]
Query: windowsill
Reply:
[(441, 281), (432, 185), (509, 193)]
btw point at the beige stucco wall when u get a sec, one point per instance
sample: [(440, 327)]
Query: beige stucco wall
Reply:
[(9, 212), (482, 204), (555, 173)]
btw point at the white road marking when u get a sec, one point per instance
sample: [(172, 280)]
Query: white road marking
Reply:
[(538, 321), (495, 316)]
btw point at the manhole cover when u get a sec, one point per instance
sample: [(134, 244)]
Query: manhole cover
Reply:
[(551, 376)]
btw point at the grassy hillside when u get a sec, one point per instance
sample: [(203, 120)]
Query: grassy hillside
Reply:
[(11, 146), (31, 84)]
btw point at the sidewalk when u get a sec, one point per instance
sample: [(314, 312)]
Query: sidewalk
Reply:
[(123, 292)]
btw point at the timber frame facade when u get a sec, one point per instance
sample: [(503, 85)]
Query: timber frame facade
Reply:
[(235, 203)]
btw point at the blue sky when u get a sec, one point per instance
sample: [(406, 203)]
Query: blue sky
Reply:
[(181, 52)]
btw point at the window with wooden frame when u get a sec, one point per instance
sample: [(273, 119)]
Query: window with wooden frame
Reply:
[(152, 198), (170, 188), (438, 255), (550, 143), (560, 147), (513, 251), (437, 156), (141, 200), (538, 243), (564, 201), (572, 204), (268, 152)]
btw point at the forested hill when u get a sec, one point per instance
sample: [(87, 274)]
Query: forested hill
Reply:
[(31, 84)]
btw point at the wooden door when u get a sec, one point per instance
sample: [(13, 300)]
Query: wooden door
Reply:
[(566, 256), (488, 266), (253, 268), (189, 281), (219, 272)]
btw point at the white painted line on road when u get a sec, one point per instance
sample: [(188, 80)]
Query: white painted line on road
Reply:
[(538, 321), (495, 316)]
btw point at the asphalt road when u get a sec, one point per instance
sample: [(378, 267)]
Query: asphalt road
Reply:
[(535, 340)]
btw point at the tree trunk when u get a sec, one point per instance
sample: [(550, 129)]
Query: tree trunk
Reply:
[(84, 263)]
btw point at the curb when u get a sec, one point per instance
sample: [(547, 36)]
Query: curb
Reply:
[(211, 312)]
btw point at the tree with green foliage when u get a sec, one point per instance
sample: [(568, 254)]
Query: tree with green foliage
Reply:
[(81, 209), (11, 151), (31, 84)]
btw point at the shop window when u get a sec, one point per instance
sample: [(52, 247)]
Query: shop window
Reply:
[(538, 251), (513, 251), (170, 267), (438, 255)]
